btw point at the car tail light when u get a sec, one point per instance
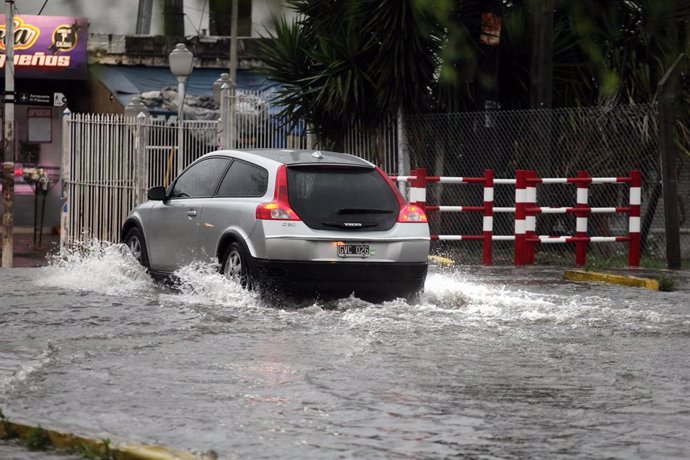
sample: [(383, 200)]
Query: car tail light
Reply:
[(408, 212), (279, 208), (412, 213)]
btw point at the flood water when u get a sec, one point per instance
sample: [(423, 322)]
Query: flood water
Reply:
[(491, 363)]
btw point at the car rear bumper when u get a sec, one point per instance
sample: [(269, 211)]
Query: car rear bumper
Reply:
[(367, 280)]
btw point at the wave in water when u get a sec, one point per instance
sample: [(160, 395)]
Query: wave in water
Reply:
[(97, 266)]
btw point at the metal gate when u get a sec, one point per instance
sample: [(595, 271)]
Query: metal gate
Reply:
[(109, 161)]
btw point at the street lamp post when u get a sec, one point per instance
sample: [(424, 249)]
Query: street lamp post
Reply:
[(180, 60), (232, 109)]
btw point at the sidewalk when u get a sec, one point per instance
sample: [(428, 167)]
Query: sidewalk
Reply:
[(28, 254)]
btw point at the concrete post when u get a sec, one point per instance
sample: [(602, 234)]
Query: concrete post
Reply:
[(8, 165)]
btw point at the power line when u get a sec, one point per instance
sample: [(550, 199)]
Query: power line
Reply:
[(201, 18), (44, 5)]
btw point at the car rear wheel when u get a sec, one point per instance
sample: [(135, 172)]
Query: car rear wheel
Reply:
[(235, 266), (137, 245)]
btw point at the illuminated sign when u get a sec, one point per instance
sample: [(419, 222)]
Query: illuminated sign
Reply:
[(47, 47)]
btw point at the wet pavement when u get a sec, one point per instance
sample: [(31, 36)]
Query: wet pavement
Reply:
[(33, 250), (491, 363)]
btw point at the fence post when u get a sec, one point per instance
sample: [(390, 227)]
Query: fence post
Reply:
[(225, 116), (581, 218), (634, 219), (66, 173), (488, 224), (418, 188), (520, 216), (530, 217), (140, 139)]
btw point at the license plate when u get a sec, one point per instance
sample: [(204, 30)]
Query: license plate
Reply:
[(353, 250)]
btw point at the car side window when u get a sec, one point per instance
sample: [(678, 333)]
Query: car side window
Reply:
[(244, 180), (200, 180)]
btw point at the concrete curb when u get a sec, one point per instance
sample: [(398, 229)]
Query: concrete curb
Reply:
[(622, 280), (98, 448)]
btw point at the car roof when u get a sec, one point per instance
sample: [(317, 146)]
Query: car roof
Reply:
[(296, 157)]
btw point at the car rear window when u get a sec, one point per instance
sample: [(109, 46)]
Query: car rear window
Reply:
[(342, 198)]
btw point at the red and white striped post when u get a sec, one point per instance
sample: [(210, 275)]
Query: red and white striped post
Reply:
[(634, 218), (488, 221), (582, 210), (531, 219), (418, 188), (520, 216)]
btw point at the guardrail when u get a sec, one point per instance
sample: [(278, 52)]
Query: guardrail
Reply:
[(526, 210)]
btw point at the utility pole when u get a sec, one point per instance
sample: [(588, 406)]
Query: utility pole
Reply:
[(8, 165), (667, 92), (541, 70), (541, 98), (233, 75)]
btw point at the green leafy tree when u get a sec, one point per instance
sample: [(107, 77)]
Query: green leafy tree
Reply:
[(347, 60)]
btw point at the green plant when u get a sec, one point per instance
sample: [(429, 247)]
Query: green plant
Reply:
[(8, 433), (667, 284), (97, 452), (37, 439)]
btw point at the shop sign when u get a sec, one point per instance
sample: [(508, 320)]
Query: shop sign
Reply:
[(48, 47)]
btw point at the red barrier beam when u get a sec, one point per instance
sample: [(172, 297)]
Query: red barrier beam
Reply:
[(418, 188), (488, 220), (531, 221), (581, 217), (634, 219), (520, 216)]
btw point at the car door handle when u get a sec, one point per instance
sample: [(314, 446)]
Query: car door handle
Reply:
[(191, 213)]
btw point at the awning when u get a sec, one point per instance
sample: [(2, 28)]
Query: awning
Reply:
[(125, 82)]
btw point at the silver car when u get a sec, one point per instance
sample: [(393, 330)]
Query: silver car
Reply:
[(298, 221)]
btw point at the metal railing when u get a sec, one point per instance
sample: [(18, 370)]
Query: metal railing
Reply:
[(109, 161)]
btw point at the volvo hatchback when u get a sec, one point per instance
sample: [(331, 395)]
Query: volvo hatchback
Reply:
[(297, 221)]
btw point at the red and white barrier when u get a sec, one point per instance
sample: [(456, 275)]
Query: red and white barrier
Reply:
[(526, 211)]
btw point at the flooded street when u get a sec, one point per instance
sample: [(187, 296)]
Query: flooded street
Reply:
[(492, 363)]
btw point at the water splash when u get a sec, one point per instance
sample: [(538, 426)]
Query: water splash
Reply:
[(201, 284), (451, 297), (97, 266)]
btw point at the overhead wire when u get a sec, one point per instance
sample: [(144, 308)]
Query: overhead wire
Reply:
[(44, 5)]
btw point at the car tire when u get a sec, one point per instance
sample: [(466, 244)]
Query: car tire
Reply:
[(134, 239), (235, 265)]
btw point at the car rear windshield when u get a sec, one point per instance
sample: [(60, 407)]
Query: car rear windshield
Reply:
[(343, 198)]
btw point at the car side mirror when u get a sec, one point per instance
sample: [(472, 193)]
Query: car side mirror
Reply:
[(157, 193)]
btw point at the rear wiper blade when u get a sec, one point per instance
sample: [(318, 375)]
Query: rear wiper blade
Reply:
[(364, 211)]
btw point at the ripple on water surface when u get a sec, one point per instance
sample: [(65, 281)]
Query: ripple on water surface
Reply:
[(484, 364)]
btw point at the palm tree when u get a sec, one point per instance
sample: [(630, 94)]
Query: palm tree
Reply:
[(349, 60)]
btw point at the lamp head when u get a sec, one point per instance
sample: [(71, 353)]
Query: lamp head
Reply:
[(181, 62)]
